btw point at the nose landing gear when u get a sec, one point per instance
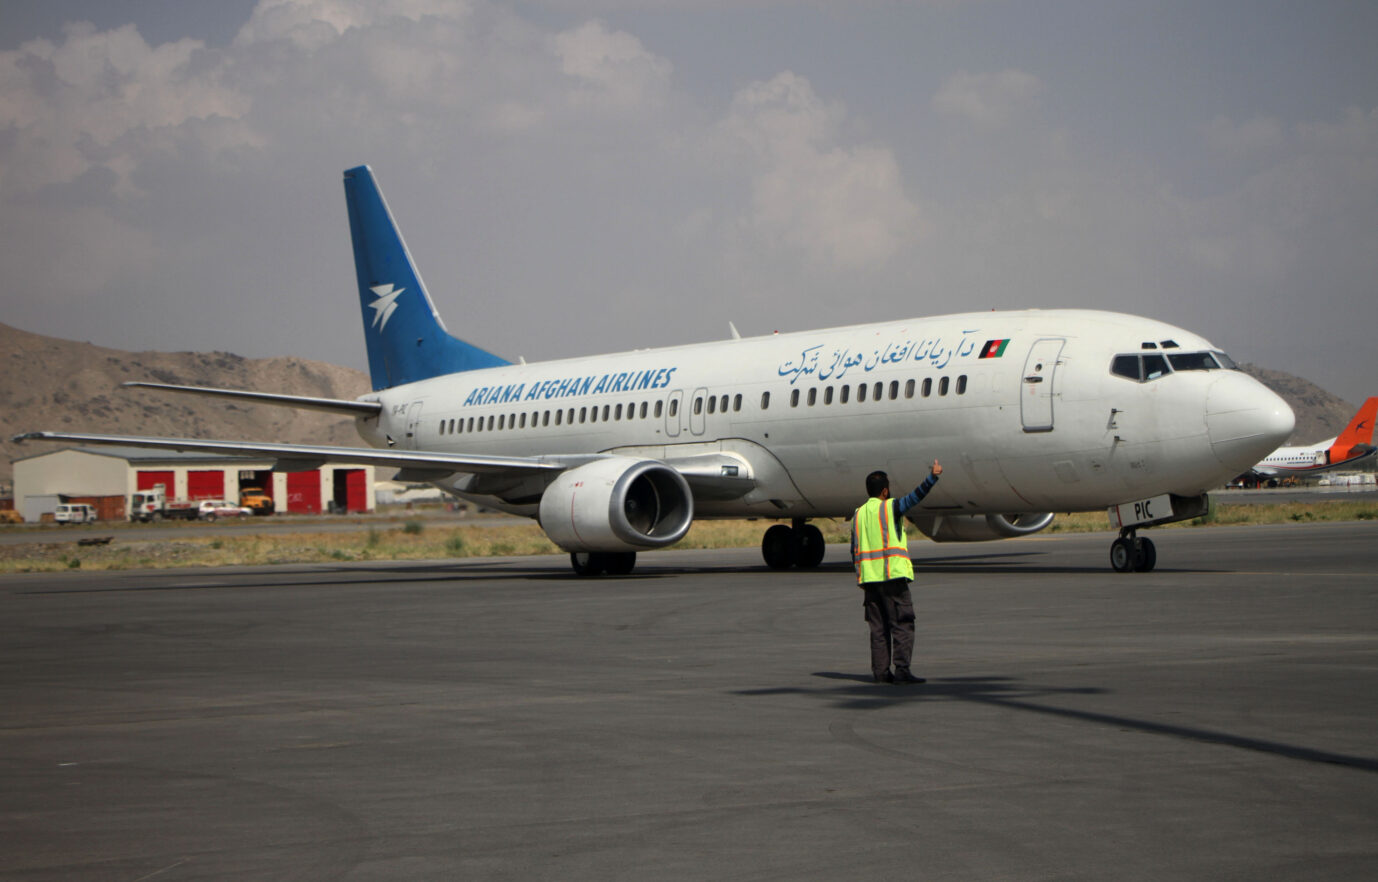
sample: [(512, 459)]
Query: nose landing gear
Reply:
[(1132, 554)]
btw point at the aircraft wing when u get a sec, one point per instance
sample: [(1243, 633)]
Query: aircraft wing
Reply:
[(711, 476), (299, 457)]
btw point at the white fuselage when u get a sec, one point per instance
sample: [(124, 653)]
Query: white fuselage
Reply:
[(1040, 423)]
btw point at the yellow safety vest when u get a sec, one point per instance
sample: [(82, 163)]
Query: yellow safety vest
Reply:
[(880, 551)]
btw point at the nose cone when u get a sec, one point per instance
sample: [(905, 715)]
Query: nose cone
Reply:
[(1245, 420)]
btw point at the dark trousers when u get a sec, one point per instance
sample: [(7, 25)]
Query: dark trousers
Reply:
[(890, 615)]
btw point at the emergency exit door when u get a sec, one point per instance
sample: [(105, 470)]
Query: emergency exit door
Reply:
[(412, 441), (1038, 387)]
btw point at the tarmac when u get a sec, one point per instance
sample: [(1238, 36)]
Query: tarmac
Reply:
[(703, 718)]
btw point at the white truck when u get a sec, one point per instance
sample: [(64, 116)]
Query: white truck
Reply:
[(153, 505)]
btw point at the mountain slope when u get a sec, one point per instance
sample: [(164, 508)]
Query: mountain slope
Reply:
[(56, 384)]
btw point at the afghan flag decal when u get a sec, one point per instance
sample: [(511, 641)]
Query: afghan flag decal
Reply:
[(993, 348)]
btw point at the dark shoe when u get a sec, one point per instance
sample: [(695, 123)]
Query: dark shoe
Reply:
[(886, 677), (904, 678)]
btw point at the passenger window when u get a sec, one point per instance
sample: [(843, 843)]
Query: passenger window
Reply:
[(875, 393), (1126, 366), (674, 407), (927, 386), (490, 422), (606, 410), (908, 388), (860, 392), (593, 414), (545, 418), (962, 385), (698, 405), (942, 386), (813, 396), (894, 389), (617, 414), (659, 405), (643, 410), (828, 395), (844, 394), (765, 400), (712, 404), (737, 403), (794, 398), (583, 414)]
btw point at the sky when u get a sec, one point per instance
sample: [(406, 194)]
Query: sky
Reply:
[(576, 178)]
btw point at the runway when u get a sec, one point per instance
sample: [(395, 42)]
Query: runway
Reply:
[(704, 718)]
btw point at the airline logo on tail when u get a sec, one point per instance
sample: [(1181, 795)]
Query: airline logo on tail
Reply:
[(385, 305)]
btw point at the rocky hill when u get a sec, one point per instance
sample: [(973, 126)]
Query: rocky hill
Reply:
[(55, 384), (47, 383)]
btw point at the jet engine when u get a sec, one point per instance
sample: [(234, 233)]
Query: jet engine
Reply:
[(981, 528), (617, 504)]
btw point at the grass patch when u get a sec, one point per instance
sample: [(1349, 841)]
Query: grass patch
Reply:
[(438, 541)]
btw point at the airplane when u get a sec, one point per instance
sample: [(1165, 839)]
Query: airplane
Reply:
[(1030, 411), (1350, 447)]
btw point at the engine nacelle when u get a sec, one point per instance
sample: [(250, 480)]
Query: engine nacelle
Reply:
[(981, 528), (617, 504)]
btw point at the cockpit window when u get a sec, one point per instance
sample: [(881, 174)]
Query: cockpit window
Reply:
[(1126, 366), (1155, 366), (1145, 366), (1193, 361)]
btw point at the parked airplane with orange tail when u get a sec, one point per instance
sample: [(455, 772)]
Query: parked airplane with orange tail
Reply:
[(1350, 447)]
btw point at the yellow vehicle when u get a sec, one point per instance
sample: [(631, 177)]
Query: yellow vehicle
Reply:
[(255, 499)]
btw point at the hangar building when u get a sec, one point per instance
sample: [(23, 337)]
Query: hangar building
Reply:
[(106, 477)]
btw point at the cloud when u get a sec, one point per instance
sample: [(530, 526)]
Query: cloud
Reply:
[(1234, 139), (990, 101), (836, 205), (610, 69), (98, 99)]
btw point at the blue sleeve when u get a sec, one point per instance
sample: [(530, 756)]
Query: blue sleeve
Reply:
[(907, 502)]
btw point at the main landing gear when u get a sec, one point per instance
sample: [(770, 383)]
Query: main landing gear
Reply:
[(800, 544), (596, 563), (1131, 554)]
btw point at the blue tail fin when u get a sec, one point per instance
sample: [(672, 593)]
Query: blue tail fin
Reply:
[(406, 339)]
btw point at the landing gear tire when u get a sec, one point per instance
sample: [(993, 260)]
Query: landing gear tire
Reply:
[(1145, 556), (810, 545), (619, 563), (1131, 554), (587, 563), (778, 547), (1122, 555)]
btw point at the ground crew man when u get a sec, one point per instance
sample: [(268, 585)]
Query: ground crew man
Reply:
[(880, 554)]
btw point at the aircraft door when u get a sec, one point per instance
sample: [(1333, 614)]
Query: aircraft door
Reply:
[(672, 406), (413, 426), (1038, 385), (696, 411)]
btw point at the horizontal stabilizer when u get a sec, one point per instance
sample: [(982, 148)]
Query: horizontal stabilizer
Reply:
[(291, 455), (302, 402)]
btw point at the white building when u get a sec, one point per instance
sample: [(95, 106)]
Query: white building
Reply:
[(106, 477)]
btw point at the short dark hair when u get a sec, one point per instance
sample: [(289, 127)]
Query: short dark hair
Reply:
[(876, 482)]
